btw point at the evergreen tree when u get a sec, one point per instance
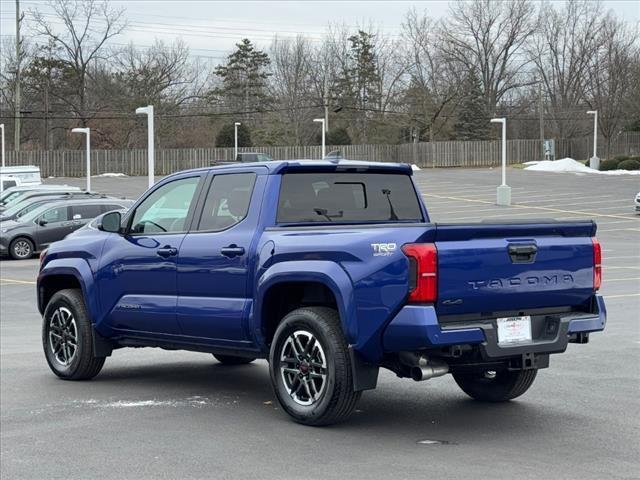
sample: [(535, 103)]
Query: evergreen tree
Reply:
[(244, 78), (226, 136), (473, 115), (358, 87)]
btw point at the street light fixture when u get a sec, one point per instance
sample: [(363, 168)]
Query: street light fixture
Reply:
[(87, 132), (148, 111), (594, 162), (321, 120), (503, 192), (235, 137)]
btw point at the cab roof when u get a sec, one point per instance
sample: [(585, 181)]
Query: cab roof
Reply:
[(275, 167)]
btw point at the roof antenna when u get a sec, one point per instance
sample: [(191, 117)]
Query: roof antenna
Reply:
[(334, 156)]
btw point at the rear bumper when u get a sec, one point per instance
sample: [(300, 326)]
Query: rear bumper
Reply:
[(417, 328)]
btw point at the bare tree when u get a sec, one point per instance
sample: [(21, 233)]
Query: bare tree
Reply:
[(489, 36), (611, 75), (87, 27), (291, 87), (433, 82), (567, 43)]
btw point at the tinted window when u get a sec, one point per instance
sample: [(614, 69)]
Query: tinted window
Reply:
[(227, 201), (108, 208), (350, 197), (80, 212), (166, 209), (60, 214)]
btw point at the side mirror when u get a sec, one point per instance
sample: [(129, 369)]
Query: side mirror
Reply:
[(42, 222), (110, 222)]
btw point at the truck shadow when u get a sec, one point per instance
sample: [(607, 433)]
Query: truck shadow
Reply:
[(410, 412)]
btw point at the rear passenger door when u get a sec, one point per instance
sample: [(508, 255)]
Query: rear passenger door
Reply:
[(83, 214), (214, 260)]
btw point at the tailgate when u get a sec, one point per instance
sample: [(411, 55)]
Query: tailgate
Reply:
[(514, 267)]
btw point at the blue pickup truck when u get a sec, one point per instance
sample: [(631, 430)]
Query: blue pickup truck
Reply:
[(330, 270)]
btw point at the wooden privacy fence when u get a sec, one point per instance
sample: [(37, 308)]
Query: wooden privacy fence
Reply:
[(71, 163)]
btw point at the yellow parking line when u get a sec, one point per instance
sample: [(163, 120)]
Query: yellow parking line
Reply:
[(547, 209), (17, 282)]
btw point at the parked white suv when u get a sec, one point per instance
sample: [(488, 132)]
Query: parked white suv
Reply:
[(638, 202)]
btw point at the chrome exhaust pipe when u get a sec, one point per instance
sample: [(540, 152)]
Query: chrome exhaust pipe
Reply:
[(426, 369)]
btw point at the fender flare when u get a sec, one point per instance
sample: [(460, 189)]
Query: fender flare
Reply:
[(80, 270), (328, 273)]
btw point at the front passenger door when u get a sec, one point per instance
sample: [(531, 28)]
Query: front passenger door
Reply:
[(137, 276), (52, 225)]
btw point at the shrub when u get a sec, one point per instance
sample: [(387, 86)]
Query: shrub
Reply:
[(629, 164), (609, 164)]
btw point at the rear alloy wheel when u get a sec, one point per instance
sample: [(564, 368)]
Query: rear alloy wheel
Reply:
[(492, 386), (21, 249), (232, 359), (67, 337), (310, 367)]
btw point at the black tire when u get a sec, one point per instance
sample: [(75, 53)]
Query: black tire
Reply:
[(21, 248), (330, 399), (232, 359), (500, 386), (82, 363)]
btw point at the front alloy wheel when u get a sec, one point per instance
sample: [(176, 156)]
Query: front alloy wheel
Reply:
[(63, 336), (67, 337)]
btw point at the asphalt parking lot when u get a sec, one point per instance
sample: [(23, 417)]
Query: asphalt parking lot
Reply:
[(159, 414)]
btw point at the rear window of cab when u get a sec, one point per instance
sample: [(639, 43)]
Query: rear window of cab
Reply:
[(335, 197)]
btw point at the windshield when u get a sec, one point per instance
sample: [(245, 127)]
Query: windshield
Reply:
[(347, 198)]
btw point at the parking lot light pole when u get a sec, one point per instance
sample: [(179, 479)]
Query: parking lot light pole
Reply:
[(594, 162), (2, 141), (2, 135), (321, 120), (87, 132), (235, 138), (148, 111), (504, 191)]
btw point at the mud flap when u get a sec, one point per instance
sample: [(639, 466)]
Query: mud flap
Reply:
[(365, 375)]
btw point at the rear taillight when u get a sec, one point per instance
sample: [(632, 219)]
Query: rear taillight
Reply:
[(597, 264), (423, 272)]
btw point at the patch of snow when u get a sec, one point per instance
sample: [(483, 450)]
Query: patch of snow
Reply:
[(415, 167), (572, 166), (111, 174)]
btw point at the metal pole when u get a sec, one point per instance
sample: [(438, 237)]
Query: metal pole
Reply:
[(148, 111), (326, 104), (235, 132), (321, 120), (87, 132), (541, 114), (2, 141), (503, 192), (595, 133), (16, 133), (594, 162), (2, 134), (88, 160)]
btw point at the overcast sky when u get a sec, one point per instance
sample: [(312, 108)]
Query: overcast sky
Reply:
[(211, 28)]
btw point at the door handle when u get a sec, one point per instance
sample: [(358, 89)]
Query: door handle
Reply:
[(232, 251), (167, 251)]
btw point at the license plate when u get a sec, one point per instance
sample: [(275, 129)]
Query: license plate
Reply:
[(514, 330)]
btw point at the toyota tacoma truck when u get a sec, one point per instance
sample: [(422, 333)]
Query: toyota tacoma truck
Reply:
[(328, 269)]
